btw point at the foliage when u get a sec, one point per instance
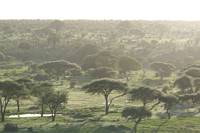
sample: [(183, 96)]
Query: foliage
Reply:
[(193, 73), (8, 90), (163, 69), (184, 83), (127, 64), (105, 87), (41, 77), (169, 101), (10, 127), (144, 94), (45, 49), (133, 113), (101, 59), (194, 98), (42, 91), (58, 68), (55, 101), (136, 114), (102, 72)]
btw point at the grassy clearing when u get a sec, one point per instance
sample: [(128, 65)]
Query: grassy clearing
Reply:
[(85, 114)]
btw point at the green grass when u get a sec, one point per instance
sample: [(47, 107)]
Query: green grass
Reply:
[(84, 113), (105, 125)]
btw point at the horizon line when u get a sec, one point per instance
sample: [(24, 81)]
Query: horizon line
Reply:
[(171, 20)]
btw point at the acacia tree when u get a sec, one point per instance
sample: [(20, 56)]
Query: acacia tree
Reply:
[(23, 91), (184, 84), (8, 90), (20, 94), (136, 114), (85, 49), (191, 99), (127, 64), (162, 69), (105, 87), (42, 91), (101, 59), (168, 102), (145, 95), (193, 72), (55, 101), (58, 68), (194, 75), (102, 72)]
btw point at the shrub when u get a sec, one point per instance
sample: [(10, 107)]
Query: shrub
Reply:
[(41, 77), (10, 127)]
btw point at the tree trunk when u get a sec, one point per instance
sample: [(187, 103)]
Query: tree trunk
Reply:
[(106, 105), (18, 106), (144, 104), (134, 130), (3, 108), (42, 109), (53, 117), (2, 116), (168, 114)]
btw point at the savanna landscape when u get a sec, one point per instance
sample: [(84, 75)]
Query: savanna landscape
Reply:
[(99, 76)]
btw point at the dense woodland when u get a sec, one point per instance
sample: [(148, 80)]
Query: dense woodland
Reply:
[(108, 76)]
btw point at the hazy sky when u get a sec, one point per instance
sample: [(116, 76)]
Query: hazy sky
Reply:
[(101, 9)]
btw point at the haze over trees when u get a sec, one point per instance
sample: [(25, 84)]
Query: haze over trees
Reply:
[(99, 76)]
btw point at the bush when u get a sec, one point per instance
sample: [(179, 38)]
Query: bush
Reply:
[(80, 113), (41, 77), (10, 127), (33, 108), (112, 129), (30, 129)]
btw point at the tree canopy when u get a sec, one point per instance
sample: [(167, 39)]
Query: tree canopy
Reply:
[(144, 94), (162, 69), (59, 67), (104, 87)]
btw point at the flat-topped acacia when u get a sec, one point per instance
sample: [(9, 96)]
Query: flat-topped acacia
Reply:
[(104, 87)]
